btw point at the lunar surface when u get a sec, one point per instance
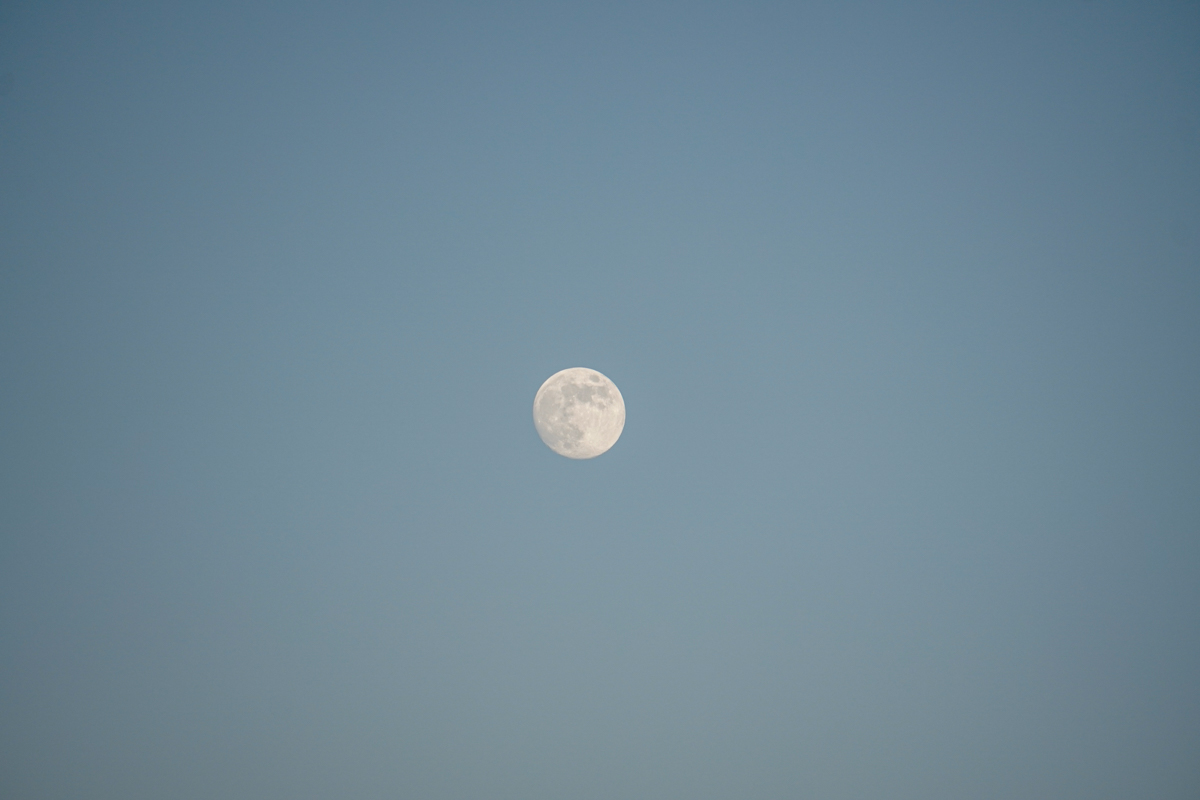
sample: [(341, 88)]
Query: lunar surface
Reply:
[(579, 413)]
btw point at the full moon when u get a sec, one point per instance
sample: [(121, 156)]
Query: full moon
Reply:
[(579, 413)]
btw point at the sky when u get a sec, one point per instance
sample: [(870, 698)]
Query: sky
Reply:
[(903, 300)]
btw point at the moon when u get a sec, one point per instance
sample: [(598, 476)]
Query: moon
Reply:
[(579, 413)]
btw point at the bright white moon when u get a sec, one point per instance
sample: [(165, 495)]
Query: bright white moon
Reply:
[(579, 413)]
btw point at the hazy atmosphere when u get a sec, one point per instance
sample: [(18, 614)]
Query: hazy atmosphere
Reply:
[(903, 300)]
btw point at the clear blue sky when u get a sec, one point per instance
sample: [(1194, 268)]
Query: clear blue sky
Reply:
[(903, 299)]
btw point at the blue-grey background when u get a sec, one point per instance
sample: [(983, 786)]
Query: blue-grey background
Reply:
[(903, 298)]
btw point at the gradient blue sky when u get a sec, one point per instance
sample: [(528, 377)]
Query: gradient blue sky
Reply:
[(903, 299)]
